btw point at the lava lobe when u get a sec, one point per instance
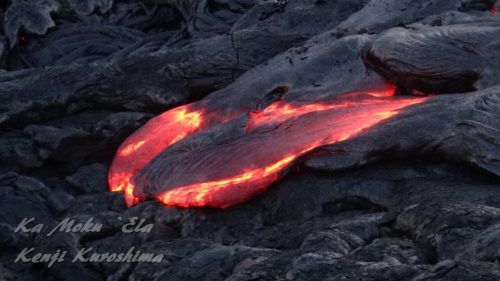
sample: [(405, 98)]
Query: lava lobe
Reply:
[(195, 157)]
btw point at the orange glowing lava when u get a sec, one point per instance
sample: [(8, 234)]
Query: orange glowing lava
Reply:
[(277, 151), (137, 150), (281, 111), (235, 170), (494, 11), (233, 188)]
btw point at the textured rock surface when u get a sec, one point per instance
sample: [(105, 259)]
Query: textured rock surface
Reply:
[(417, 198)]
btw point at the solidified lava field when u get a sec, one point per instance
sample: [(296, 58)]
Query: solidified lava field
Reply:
[(250, 140)]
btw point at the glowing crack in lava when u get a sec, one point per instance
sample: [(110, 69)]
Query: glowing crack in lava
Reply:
[(231, 170)]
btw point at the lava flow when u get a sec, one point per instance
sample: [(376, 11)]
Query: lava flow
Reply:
[(224, 172), (235, 171), (137, 150)]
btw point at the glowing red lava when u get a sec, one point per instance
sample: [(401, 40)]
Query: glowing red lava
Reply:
[(235, 171), (281, 111), (494, 10), (256, 160), (137, 150), (23, 39)]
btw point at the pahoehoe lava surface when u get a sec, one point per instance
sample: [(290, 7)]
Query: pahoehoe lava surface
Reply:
[(248, 154), (152, 97)]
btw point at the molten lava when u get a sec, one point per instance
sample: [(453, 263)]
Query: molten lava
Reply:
[(281, 111), (137, 150), (495, 8), (227, 171)]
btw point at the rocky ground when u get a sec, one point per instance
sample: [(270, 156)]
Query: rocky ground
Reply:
[(417, 198)]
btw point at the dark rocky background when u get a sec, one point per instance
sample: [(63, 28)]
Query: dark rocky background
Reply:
[(417, 198)]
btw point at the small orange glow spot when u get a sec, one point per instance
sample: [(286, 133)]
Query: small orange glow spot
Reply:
[(23, 39), (389, 91), (188, 119), (129, 149)]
